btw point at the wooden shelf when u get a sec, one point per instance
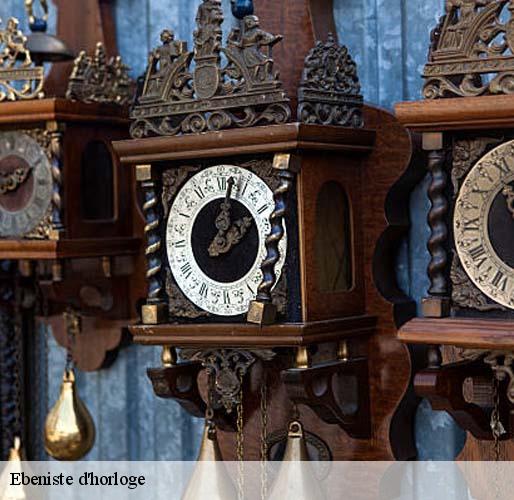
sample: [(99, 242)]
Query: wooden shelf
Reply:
[(457, 113), (67, 249), (62, 110), (276, 138), (460, 332), (247, 335)]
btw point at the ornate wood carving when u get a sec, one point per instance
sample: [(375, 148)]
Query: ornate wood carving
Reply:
[(99, 79), (19, 78), (470, 42), (338, 392), (228, 367), (81, 24), (329, 92), (244, 92)]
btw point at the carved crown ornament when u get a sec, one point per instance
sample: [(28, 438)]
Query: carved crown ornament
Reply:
[(98, 78), (20, 79), (471, 52), (329, 92), (212, 87)]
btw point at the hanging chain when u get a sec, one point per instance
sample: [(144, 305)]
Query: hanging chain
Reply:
[(240, 441), (18, 429), (72, 330), (496, 426), (264, 435)]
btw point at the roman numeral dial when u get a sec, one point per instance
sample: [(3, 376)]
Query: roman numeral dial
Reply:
[(216, 262), (483, 225)]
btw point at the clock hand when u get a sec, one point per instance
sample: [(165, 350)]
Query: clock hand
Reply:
[(228, 236), (222, 222), (508, 192), (11, 182)]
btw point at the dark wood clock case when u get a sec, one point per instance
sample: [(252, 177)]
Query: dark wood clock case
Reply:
[(331, 347), (464, 121)]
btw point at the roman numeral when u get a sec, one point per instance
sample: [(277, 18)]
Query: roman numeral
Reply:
[(478, 255), (243, 191), (262, 209), (226, 297), (180, 244), (500, 281), (184, 215), (199, 193), (204, 290), (471, 224), (186, 270), (222, 183)]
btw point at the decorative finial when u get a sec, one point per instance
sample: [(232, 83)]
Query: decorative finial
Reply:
[(465, 58), (37, 24), (239, 90), (99, 79), (19, 78), (329, 92), (242, 8)]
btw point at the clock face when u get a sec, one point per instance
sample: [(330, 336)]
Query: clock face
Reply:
[(25, 184), (484, 225), (216, 233)]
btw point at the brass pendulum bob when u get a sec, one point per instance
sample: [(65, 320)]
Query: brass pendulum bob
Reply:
[(69, 428), (296, 479), (11, 492), (210, 479)]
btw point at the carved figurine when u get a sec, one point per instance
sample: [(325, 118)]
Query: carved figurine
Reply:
[(208, 36), (253, 40), (14, 43)]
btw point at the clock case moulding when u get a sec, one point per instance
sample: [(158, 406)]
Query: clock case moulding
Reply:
[(79, 262), (344, 342), (467, 112)]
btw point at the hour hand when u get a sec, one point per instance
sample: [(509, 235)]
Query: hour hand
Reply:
[(229, 235), (11, 182)]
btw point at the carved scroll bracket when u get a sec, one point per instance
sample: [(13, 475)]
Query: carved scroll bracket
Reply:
[(337, 391), (155, 310), (228, 367), (262, 311)]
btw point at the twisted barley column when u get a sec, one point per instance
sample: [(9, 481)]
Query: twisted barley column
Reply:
[(277, 232), (437, 222), (56, 166), (153, 242)]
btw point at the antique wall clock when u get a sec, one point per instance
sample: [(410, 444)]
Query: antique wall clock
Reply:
[(65, 203), (467, 129), (262, 256)]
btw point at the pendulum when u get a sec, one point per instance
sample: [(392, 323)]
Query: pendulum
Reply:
[(210, 478), (296, 479), (69, 429)]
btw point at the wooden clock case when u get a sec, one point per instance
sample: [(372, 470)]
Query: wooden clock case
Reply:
[(334, 354), (84, 255), (465, 333)]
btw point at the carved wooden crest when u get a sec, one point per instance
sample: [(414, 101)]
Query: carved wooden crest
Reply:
[(472, 50), (99, 79), (329, 93), (19, 78), (227, 86)]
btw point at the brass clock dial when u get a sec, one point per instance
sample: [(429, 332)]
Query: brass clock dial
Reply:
[(484, 225), (216, 233), (25, 184)]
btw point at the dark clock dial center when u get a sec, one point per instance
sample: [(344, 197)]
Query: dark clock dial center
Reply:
[(17, 199), (500, 226), (238, 261)]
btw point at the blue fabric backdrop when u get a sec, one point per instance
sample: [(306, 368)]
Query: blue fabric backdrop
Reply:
[(389, 40)]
